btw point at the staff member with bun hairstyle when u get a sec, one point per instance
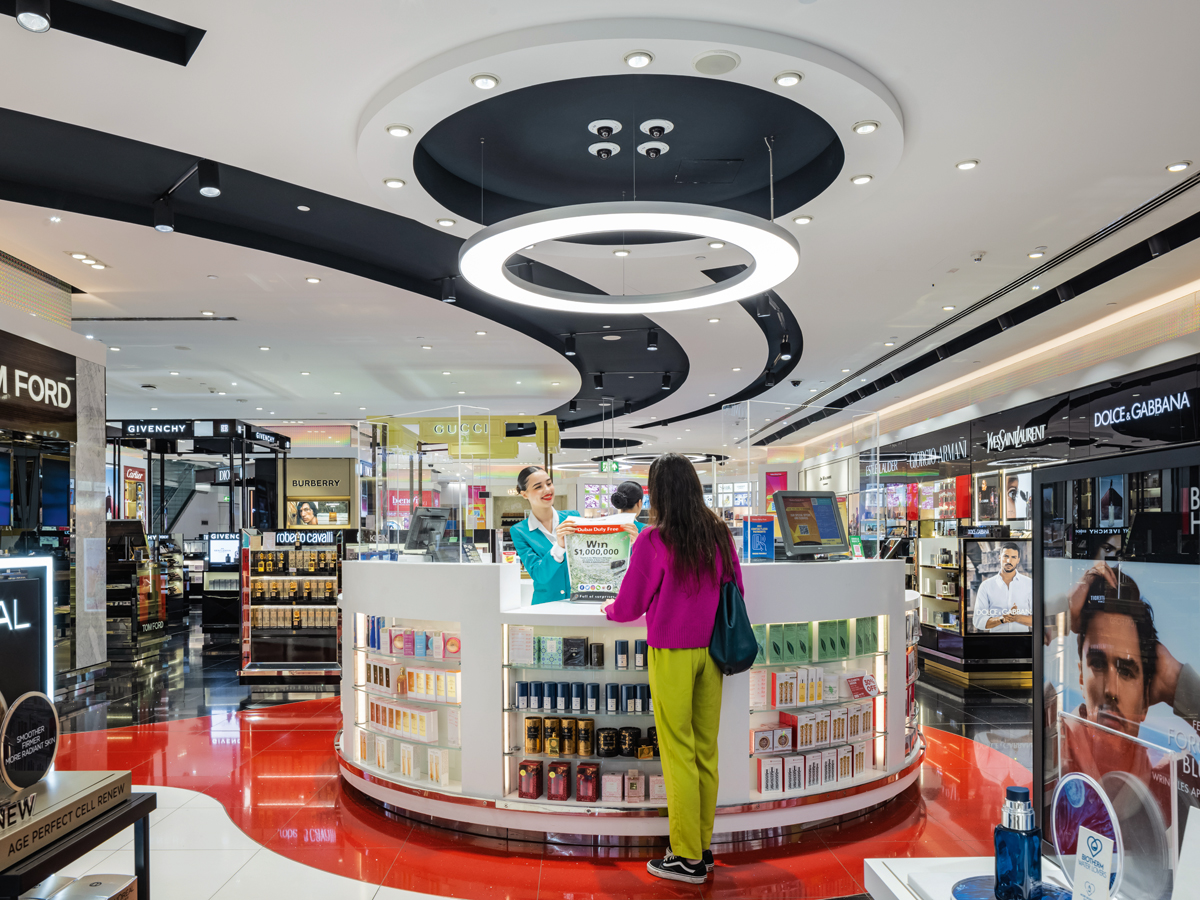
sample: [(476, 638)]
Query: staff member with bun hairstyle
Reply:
[(540, 540), (627, 498)]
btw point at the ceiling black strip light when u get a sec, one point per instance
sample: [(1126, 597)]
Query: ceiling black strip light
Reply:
[(154, 319), (114, 24), (1177, 235)]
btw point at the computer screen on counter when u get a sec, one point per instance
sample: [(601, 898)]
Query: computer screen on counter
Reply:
[(426, 532), (810, 523)]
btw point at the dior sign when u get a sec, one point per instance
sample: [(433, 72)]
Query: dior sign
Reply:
[(998, 441)]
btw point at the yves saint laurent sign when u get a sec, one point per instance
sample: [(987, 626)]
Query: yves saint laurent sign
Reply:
[(998, 441), (37, 388)]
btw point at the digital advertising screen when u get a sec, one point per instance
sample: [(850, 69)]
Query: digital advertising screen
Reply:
[(999, 587), (318, 513), (810, 522), (224, 551)]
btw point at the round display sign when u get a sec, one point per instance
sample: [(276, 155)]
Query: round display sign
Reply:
[(28, 741)]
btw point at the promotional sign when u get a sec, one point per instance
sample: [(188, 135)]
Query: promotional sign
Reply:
[(28, 741), (598, 556), (776, 481), (26, 627), (320, 478), (999, 587), (758, 537), (1093, 861), (317, 513)]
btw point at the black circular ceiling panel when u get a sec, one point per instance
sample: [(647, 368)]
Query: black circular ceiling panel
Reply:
[(529, 148)]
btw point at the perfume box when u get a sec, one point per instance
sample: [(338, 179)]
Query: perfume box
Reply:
[(804, 642), (837, 724), (551, 652), (793, 773), (859, 759), (760, 637), (529, 786), (408, 761), (385, 755), (439, 766), (435, 645), (821, 721), (770, 775), (454, 727), (420, 644), (635, 787), (762, 739), (783, 689), (829, 766), (812, 770), (845, 763), (366, 746), (558, 780), (612, 788), (574, 651), (760, 688), (587, 782), (453, 686), (408, 642), (658, 788), (439, 680)]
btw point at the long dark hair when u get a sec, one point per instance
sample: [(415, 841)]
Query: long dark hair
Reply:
[(692, 531)]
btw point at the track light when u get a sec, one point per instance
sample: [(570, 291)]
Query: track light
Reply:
[(34, 15), (770, 379), (628, 407), (666, 385), (762, 308), (210, 178), (570, 344), (652, 339), (573, 406), (785, 349), (1065, 293), (598, 381), (448, 295), (164, 218)]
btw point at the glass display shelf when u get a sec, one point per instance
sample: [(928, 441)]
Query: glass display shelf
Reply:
[(829, 704), (293, 603), (819, 662), (411, 660), (560, 713), (866, 777), (294, 632), (551, 805), (580, 669), (943, 568), (366, 726), (320, 576), (593, 758), (404, 698), (454, 787), (862, 738)]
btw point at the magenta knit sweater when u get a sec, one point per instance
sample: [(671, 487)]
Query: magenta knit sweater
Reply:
[(678, 615)]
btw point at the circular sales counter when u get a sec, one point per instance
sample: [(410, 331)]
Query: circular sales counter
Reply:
[(442, 665)]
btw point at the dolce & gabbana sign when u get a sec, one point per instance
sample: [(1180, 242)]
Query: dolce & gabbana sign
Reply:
[(37, 388)]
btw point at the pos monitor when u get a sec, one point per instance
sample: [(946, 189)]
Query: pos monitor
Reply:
[(810, 523), (427, 529)]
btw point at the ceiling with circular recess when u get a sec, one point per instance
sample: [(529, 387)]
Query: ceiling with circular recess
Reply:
[(870, 111)]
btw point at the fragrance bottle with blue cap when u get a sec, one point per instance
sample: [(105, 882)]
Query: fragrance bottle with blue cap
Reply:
[(1018, 848)]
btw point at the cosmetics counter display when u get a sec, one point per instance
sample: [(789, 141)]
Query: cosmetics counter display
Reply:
[(135, 605), (290, 623), (168, 553), (465, 706)]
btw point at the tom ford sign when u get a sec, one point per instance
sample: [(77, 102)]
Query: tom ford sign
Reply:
[(37, 388)]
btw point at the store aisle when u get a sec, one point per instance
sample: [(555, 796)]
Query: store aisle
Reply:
[(272, 816)]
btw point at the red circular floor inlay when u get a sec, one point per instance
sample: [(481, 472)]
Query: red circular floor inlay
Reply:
[(275, 772)]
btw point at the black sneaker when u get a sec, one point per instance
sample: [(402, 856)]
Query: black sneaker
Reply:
[(709, 862), (677, 868)]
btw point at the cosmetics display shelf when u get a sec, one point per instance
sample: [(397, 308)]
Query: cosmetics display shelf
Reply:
[(294, 632), (869, 736), (818, 662), (367, 726), (944, 568), (405, 699), (424, 784), (830, 704), (410, 660), (577, 807), (582, 714), (579, 669), (627, 760)]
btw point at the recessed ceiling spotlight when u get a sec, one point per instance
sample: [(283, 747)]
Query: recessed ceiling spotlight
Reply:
[(639, 59), (233, 384), (337, 393), (99, 266), (1179, 166), (712, 395), (622, 252), (34, 15), (312, 279), (737, 368), (213, 277), (866, 127), (302, 209), (90, 337), (78, 256), (445, 373), (484, 81), (399, 130), (948, 308), (812, 390), (1037, 253), (802, 220), (481, 333), (304, 373), (426, 346), (220, 393), (54, 220), (1035, 287), (462, 392), (716, 245), (264, 348), (845, 370), (394, 182), (889, 343), (154, 409), (788, 79), (115, 349), (87, 261), (713, 321), (554, 384), (446, 223), (258, 409), (174, 373), (861, 179), (966, 164)]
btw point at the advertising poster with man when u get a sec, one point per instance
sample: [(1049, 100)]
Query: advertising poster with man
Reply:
[(999, 587)]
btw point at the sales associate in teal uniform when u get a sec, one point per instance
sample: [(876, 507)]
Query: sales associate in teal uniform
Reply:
[(540, 540)]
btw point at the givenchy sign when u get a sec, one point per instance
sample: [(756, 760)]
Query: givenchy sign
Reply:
[(998, 441), (157, 429)]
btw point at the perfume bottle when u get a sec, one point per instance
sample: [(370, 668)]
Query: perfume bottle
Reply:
[(1018, 848)]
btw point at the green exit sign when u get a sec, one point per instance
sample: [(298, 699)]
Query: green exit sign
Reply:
[(609, 465)]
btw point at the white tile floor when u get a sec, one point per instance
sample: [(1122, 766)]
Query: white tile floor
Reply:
[(197, 853)]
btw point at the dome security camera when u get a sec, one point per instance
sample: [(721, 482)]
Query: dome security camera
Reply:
[(656, 128), (604, 128), (604, 149)]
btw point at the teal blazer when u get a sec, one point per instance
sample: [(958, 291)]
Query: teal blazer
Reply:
[(550, 580)]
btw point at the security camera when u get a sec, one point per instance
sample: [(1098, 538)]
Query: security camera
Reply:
[(978, 255), (795, 382), (652, 149), (604, 149), (604, 128), (604, 131), (653, 152), (604, 153), (656, 128)]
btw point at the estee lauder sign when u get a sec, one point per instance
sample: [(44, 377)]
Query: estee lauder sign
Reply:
[(37, 388)]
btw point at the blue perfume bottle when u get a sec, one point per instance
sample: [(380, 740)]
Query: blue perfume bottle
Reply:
[(1018, 848)]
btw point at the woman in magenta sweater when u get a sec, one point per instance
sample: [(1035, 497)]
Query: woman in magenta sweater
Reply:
[(676, 570)]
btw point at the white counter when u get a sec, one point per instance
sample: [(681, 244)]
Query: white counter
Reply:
[(479, 600)]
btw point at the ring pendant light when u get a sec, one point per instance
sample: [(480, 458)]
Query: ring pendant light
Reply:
[(775, 254)]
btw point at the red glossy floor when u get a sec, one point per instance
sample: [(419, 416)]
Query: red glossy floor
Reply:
[(274, 773)]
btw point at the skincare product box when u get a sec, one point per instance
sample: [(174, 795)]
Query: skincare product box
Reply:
[(550, 652), (845, 756), (829, 766), (789, 722), (587, 782), (521, 645), (558, 780), (435, 645), (821, 719), (863, 643), (408, 761), (802, 727), (793, 773), (860, 758), (44, 890), (866, 723), (419, 644), (410, 647), (783, 739), (783, 689), (453, 641), (100, 887), (826, 640), (366, 746), (760, 688), (775, 644), (658, 788), (762, 739), (760, 637), (853, 721), (635, 787), (454, 727), (830, 686), (804, 641), (439, 766), (574, 652), (793, 649), (816, 685), (385, 755), (612, 787), (453, 686), (837, 724), (843, 638), (529, 786), (812, 770), (770, 775)]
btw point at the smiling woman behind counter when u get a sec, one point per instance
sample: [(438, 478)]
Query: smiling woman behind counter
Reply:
[(540, 540)]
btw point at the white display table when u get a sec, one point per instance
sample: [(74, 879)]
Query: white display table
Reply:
[(479, 602), (888, 879)]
